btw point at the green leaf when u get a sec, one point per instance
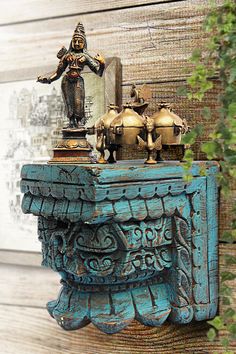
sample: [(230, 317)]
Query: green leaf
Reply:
[(206, 113), (199, 129), (198, 95), (217, 323), (225, 290), (228, 237), (211, 148), (232, 328), (225, 342), (215, 135), (229, 313), (232, 76), (232, 109), (188, 155), (226, 301), (196, 55), (227, 276), (190, 137), (232, 172), (187, 178), (202, 171), (182, 91), (211, 334), (230, 259)]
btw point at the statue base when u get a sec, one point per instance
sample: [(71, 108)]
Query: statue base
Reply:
[(73, 148)]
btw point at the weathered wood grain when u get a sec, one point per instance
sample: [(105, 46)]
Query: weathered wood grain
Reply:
[(154, 43), (31, 259), (226, 249), (34, 10), (29, 330), (27, 286)]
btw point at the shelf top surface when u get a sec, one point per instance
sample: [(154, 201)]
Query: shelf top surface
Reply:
[(122, 171)]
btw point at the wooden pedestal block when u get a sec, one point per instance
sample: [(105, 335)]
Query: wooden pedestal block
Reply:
[(128, 240)]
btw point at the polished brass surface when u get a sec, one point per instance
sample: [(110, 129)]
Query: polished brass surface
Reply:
[(107, 118), (169, 125), (127, 125), (105, 137), (101, 143)]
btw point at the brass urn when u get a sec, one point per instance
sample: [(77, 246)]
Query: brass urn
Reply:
[(169, 125), (127, 125)]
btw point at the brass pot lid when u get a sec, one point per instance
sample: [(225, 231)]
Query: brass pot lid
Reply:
[(105, 120), (128, 118), (165, 117)]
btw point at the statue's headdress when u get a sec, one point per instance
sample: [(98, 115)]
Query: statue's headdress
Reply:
[(80, 32)]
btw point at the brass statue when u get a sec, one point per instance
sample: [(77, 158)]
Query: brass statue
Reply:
[(75, 58)]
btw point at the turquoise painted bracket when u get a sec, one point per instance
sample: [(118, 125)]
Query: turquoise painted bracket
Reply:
[(129, 241)]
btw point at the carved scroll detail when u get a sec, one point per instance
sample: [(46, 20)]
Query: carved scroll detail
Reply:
[(119, 250), (181, 272)]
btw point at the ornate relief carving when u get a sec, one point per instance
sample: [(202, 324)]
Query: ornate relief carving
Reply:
[(102, 250), (127, 250)]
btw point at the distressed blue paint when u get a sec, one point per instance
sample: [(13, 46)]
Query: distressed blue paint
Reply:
[(129, 241), (212, 223), (103, 174)]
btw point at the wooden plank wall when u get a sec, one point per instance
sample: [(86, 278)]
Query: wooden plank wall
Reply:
[(154, 40)]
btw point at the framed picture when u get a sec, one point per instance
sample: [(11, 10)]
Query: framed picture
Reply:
[(32, 118)]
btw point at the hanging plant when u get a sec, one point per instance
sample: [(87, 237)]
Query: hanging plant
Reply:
[(217, 63)]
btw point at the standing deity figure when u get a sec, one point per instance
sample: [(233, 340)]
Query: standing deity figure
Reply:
[(75, 58)]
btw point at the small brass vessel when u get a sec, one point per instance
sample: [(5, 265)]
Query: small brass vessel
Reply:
[(127, 125), (169, 125), (105, 137)]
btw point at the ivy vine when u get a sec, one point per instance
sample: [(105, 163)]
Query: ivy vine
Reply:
[(213, 64)]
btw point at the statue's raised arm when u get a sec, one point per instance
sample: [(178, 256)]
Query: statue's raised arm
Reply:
[(96, 64)]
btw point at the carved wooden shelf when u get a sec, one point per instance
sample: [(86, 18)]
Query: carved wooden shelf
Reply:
[(128, 240)]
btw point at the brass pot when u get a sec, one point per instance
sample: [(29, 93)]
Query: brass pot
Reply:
[(127, 125), (168, 125), (103, 124), (107, 118)]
